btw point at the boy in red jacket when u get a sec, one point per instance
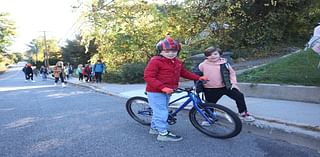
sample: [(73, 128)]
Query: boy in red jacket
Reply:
[(162, 77)]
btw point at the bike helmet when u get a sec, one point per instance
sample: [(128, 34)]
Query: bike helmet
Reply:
[(168, 44)]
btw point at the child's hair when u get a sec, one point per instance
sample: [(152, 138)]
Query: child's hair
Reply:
[(210, 50)]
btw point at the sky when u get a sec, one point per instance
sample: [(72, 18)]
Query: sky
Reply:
[(32, 17)]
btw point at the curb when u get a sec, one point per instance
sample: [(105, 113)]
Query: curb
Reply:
[(290, 134)]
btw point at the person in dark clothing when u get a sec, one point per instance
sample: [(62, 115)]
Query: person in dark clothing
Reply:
[(29, 73), (24, 71), (43, 72)]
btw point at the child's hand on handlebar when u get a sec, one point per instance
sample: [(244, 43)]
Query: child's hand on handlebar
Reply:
[(167, 90), (203, 78)]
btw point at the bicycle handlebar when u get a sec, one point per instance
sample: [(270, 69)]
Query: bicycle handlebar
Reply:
[(188, 89), (180, 90)]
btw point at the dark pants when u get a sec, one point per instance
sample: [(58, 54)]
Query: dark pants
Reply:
[(29, 76), (80, 77), (88, 78), (98, 76), (214, 94), (57, 78)]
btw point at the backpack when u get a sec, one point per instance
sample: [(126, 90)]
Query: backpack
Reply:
[(198, 84), (195, 69), (225, 74)]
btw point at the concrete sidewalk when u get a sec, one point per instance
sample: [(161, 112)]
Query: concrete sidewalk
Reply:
[(293, 117)]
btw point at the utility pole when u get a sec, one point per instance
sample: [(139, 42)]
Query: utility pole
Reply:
[(46, 55)]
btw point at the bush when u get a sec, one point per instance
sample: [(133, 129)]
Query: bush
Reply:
[(112, 77), (133, 72), (128, 73)]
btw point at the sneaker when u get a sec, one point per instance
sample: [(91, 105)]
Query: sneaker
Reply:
[(169, 137), (55, 84), (153, 131), (33, 81), (63, 84), (245, 116)]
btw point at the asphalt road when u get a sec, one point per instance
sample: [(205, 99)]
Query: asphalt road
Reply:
[(39, 119)]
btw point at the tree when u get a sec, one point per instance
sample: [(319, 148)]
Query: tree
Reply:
[(75, 53), (54, 51), (127, 31), (124, 31), (7, 32), (33, 50)]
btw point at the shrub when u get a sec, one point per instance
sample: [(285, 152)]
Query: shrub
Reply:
[(112, 77), (132, 72), (128, 73)]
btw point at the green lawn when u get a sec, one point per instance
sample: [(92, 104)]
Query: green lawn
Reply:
[(297, 69)]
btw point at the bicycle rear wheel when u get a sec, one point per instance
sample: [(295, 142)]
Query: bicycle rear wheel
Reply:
[(224, 123), (139, 109)]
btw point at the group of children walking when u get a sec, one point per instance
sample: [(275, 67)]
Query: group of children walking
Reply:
[(63, 72), (91, 73)]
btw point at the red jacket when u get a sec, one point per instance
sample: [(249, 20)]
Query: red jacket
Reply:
[(162, 72)]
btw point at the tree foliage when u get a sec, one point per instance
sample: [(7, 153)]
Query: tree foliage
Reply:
[(7, 31), (38, 54), (126, 32), (75, 53)]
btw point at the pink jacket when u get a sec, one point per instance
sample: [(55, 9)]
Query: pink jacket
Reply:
[(212, 71)]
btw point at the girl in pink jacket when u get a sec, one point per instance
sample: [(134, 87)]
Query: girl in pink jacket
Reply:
[(222, 81)]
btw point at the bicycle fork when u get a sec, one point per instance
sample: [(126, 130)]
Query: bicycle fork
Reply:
[(209, 114)]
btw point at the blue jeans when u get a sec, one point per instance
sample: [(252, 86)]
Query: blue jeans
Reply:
[(159, 104)]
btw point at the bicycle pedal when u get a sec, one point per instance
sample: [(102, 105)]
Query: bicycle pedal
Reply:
[(171, 122)]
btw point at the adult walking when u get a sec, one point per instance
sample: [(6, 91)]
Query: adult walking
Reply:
[(98, 69)]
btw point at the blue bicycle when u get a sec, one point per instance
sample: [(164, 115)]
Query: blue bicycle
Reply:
[(211, 119)]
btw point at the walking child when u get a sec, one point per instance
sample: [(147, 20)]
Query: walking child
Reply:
[(58, 72), (29, 72), (98, 69)]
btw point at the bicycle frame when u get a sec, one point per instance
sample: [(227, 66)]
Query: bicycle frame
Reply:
[(195, 99)]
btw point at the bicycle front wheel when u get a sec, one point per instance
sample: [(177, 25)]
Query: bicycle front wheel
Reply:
[(139, 109), (221, 122)]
